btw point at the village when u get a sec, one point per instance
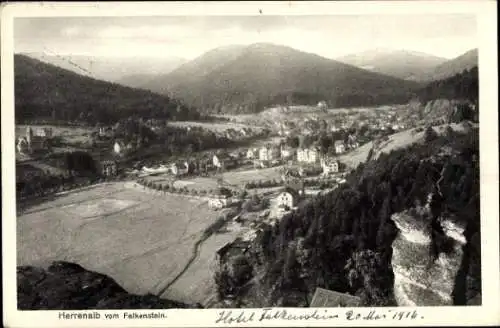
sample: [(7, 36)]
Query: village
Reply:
[(269, 170)]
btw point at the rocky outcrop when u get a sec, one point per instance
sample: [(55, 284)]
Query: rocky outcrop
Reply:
[(67, 285), (424, 273)]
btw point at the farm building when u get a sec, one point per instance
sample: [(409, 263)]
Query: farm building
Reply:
[(328, 298)]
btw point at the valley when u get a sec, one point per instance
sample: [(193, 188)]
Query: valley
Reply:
[(253, 175)]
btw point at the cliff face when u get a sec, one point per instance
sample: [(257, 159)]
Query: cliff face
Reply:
[(420, 278)]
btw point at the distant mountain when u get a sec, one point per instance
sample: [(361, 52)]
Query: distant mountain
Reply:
[(456, 65), (112, 69), (242, 79), (136, 80), (45, 91), (402, 64)]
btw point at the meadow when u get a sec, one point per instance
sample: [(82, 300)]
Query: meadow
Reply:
[(142, 239)]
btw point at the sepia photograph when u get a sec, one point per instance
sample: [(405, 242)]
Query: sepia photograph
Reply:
[(247, 161)]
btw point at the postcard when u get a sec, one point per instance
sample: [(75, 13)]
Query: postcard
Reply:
[(250, 164)]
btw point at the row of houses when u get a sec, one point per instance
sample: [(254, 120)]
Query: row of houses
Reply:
[(309, 155)]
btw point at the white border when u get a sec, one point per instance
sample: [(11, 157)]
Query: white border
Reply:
[(487, 314)]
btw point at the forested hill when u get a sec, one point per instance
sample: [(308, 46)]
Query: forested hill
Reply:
[(246, 79), (462, 86), (342, 241), (45, 91)]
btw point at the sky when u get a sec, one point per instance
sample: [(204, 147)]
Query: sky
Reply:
[(333, 36)]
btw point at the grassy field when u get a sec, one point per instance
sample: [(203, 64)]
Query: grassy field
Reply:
[(140, 238), (395, 141), (213, 126)]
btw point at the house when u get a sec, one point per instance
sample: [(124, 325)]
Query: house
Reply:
[(288, 198), (302, 154), (308, 155), (220, 199), (328, 298), (339, 147), (109, 168), (329, 166), (265, 153)]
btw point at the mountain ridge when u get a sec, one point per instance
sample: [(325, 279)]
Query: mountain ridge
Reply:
[(400, 63), (261, 74), (46, 91)]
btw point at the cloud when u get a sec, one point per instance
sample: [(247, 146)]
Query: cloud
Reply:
[(189, 36)]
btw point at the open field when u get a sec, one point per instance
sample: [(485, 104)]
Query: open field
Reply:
[(140, 238), (234, 178), (213, 126)]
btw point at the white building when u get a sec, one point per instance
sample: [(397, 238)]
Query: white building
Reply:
[(221, 199), (329, 166), (268, 153), (308, 155), (118, 147), (287, 199), (339, 147), (216, 161)]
